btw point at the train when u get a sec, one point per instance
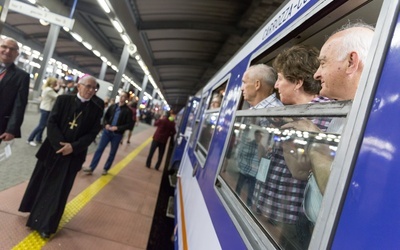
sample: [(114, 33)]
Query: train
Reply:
[(359, 208)]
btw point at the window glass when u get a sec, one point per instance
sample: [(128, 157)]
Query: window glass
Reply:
[(261, 158), (207, 130), (210, 121)]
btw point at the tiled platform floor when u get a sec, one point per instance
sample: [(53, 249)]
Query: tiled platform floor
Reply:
[(118, 217)]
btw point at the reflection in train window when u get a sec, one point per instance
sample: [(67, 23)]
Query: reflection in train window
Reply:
[(194, 135), (217, 96), (209, 122), (207, 130), (267, 167)]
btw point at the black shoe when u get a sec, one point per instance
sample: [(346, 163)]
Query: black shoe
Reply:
[(128, 142), (147, 166), (44, 235)]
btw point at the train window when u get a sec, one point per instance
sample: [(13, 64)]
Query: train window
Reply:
[(197, 122), (216, 97), (192, 116), (210, 121), (252, 167)]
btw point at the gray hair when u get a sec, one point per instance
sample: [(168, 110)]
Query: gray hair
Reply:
[(264, 73), (359, 39)]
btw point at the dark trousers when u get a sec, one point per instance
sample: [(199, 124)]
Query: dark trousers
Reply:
[(251, 182), (161, 149), (38, 131)]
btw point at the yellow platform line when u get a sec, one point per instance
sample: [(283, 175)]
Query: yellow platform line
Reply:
[(34, 241)]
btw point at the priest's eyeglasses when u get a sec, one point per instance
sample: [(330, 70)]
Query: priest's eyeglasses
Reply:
[(88, 87)]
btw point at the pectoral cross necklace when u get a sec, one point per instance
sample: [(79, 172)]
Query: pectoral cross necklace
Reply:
[(73, 123)]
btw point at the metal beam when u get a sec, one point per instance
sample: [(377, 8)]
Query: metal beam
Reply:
[(192, 25)]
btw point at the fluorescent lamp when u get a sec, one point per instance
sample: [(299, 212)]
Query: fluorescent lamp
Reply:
[(117, 26), (76, 36), (104, 5), (97, 53), (87, 45), (126, 39)]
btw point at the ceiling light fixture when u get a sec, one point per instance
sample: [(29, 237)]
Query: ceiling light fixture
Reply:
[(126, 39), (76, 36), (96, 52), (104, 59), (87, 45), (117, 26), (104, 5)]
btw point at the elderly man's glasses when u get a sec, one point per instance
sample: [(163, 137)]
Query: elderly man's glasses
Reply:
[(5, 47), (88, 87)]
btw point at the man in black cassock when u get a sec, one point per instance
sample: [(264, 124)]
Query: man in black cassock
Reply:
[(73, 124)]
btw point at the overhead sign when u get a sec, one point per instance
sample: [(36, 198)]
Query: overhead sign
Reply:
[(35, 12)]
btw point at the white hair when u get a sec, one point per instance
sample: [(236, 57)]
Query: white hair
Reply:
[(358, 37)]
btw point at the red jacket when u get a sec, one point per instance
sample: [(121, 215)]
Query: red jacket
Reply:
[(165, 129)]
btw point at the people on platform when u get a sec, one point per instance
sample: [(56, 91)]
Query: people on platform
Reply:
[(342, 59), (48, 98), (117, 119), (71, 88), (165, 129), (133, 106), (147, 115), (258, 90), (72, 126), (280, 195), (14, 90)]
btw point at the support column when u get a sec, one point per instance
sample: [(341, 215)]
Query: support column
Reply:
[(144, 85), (4, 11), (121, 69), (103, 71), (47, 54)]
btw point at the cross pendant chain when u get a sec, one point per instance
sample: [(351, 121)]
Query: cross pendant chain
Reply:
[(73, 123)]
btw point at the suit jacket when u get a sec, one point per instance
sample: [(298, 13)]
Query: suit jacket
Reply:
[(14, 90)]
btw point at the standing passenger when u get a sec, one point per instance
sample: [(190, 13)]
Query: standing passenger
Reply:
[(49, 96), (133, 107), (117, 119), (342, 59), (14, 90), (281, 194), (165, 129), (258, 91), (72, 126)]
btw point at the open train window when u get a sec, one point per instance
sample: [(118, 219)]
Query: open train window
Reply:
[(199, 110), (210, 121), (258, 142), (251, 168)]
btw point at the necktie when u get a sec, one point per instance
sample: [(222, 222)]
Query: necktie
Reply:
[(3, 67)]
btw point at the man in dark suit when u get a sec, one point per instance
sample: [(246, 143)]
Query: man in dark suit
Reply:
[(14, 89)]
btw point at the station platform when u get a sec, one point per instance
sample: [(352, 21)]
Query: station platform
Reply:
[(114, 211)]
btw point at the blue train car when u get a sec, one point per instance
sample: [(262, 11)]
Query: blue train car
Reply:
[(185, 120), (359, 209)]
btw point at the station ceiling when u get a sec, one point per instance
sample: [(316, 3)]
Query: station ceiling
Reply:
[(182, 42)]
